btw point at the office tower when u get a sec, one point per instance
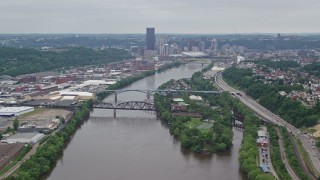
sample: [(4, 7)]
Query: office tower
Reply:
[(150, 39), (214, 44), (202, 46), (172, 49), (191, 43), (166, 49), (160, 46)]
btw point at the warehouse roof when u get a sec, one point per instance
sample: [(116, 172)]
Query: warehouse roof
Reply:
[(24, 135), (75, 93), (14, 109)]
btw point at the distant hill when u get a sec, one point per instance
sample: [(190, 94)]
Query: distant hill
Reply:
[(18, 61)]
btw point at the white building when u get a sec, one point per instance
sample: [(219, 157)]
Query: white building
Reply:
[(99, 82), (194, 54), (196, 98), (80, 95), (15, 111)]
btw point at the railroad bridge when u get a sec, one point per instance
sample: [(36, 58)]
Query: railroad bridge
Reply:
[(130, 105), (146, 105), (237, 120), (150, 92)]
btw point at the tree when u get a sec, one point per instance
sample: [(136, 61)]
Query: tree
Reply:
[(15, 124)]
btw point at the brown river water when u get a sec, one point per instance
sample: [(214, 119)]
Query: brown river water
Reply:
[(137, 146)]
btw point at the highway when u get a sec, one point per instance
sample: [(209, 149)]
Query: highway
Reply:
[(269, 116)]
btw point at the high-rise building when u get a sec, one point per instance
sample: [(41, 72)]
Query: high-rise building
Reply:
[(160, 46), (191, 42), (150, 39), (202, 46), (166, 49), (214, 44)]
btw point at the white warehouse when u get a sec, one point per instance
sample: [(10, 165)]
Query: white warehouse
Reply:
[(15, 111)]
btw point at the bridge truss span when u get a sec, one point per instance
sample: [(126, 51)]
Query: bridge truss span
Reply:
[(130, 105), (103, 105), (136, 105)]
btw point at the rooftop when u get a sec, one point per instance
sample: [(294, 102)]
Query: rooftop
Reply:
[(14, 109), (262, 134), (75, 93), (24, 135)]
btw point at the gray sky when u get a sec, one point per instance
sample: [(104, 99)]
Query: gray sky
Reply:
[(167, 16)]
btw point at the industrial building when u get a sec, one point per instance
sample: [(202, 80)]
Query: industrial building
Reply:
[(15, 111), (26, 138), (99, 82), (79, 95)]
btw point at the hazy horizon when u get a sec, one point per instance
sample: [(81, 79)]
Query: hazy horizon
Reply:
[(167, 16)]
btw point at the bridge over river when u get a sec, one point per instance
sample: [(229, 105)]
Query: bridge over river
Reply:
[(146, 105), (149, 92), (137, 145)]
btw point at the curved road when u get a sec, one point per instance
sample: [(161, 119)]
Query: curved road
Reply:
[(269, 116)]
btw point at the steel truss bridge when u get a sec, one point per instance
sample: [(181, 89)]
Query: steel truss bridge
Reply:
[(149, 92), (130, 105), (141, 105)]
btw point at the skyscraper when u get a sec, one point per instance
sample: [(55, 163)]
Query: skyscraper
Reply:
[(150, 39)]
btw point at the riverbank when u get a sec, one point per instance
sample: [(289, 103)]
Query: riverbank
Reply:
[(47, 153), (106, 147), (129, 80), (54, 143), (211, 130)]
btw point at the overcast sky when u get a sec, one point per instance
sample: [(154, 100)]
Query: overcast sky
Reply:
[(167, 16)]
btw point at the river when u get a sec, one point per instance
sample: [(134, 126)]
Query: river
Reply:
[(137, 146)]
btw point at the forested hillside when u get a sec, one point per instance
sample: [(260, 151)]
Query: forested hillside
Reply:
[(268, 95), (18, 61)]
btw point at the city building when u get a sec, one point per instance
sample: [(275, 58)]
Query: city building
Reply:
[(150, 50), (29, 138), (150, 39), (79, 95), (166, 49), (202, 46)]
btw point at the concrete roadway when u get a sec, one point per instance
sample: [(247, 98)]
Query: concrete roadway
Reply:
[(269, 116)]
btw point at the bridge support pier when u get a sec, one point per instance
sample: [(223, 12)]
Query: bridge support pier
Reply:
[(114, 113), (115, 97), (148, 96)]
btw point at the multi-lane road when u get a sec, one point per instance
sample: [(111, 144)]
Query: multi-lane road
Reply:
[(265, 114)]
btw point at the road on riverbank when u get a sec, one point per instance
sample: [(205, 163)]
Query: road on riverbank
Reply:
[(270, 117), (15, 167)]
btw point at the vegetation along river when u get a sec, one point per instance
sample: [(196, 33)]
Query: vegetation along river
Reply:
[(137, 146)]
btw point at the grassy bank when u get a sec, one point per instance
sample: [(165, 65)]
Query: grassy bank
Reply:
[(48, 153), (212, 135), (24, 151)]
